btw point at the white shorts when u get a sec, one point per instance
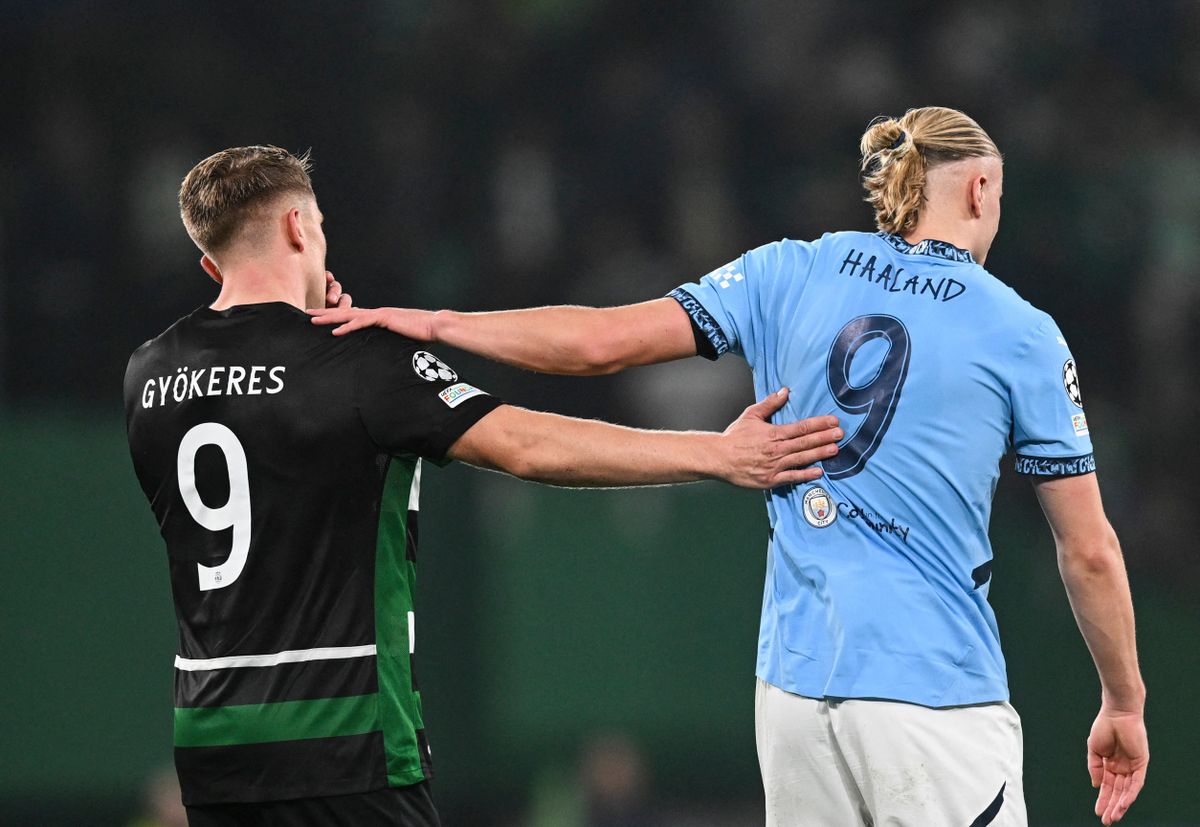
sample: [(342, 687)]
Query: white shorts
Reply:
[(876, 763)]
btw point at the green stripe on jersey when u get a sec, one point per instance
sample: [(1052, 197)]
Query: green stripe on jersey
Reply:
[(224, 726), (399, 705)]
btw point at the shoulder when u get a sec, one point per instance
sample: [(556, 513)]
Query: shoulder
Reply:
[(841, 243), (1029, 329), (1024, 319), (144, 353), (157, 348), (379, 343), (801, 247), (388, 356), (851, 238), (785, 255)]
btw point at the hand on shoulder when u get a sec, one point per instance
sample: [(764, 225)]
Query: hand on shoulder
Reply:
[(415, 324)]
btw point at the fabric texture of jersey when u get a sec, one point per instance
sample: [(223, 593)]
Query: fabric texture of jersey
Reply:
[(283, 466), (878, 574)]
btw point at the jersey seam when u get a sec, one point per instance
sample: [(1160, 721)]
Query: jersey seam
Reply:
[(357, 362), (1060, 457), (1018, 358)]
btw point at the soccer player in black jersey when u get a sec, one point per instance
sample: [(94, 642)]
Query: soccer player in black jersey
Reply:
[(283, 465)]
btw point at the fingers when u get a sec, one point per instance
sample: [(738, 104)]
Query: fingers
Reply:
[(1095, 768), (346, 317), (799, 466), (1125, 792), (1115, 810), (802, 453), (345, 301), (818, 440), (1136, 781), (355, 323), (765, 409), (333, 315), (796, 476), (1106, 793), (791, 430), (803, 459), (333, 295)]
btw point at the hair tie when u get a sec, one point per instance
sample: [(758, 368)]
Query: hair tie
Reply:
[(899, 142)]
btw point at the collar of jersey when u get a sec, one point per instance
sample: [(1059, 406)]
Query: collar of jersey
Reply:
[(928, 247)]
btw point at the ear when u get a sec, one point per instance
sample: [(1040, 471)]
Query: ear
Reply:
[(211, 268), (978, 183), (295, 231)]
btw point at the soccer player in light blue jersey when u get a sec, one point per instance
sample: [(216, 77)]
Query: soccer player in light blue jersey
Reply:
[(882, 696)]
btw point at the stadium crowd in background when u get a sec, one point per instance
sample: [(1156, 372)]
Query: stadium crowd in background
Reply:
[(507, 155), (502, 155)]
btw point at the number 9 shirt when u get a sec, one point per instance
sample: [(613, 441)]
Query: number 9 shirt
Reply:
[(283, 466), (878, 573)]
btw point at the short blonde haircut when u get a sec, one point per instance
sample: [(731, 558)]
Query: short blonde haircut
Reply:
[(898, 152), (223, 191)]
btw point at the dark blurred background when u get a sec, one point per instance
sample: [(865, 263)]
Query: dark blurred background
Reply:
[(587, 657)]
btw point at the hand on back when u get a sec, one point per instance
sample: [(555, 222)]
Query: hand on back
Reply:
[(762, 455), (415, 324)]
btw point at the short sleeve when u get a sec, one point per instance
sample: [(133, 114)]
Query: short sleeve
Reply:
[(730, 308), (410, 401), (1050, 430)]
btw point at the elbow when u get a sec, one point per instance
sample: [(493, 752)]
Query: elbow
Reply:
[(596, 357), (601, 344), (522, 467), (507, 459), (523, 461), (1096, 554)]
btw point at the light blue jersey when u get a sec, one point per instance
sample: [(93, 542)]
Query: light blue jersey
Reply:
[(878, 574)]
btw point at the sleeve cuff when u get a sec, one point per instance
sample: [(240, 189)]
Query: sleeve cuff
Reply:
[(711, 341), (1055, 466), (473, 410)]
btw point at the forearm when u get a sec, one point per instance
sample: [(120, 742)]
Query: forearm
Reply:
[(1094, 575), (559, 450), (579, 341), (545, 339), (585, 453)]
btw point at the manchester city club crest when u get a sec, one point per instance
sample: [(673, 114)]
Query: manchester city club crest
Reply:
[(819, 508)]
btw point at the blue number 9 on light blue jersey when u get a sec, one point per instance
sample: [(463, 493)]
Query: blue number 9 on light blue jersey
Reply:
[(878, 574), (876, 400)]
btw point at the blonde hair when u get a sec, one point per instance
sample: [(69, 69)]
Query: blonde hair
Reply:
[(898, 152), (222, 191)]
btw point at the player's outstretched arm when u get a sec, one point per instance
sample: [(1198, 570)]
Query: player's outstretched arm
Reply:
[(579, 341), (1089, 558), (560, 450)]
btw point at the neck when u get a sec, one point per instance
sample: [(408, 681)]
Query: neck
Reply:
[(254, 283), (951, 232)]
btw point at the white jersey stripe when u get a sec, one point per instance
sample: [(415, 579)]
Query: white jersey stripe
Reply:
[(414, 491), (291, 656)]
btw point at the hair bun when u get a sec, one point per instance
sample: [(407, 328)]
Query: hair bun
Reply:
[(894, 167), (884, 133)]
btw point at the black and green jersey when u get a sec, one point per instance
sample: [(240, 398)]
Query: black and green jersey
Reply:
[(283, 465)]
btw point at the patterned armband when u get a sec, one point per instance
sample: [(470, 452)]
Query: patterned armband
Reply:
[(1055, 466), (703, 324)]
